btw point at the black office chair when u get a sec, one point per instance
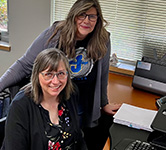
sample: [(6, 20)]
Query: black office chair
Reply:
[(15, 88), (2, 131), (5, 102)]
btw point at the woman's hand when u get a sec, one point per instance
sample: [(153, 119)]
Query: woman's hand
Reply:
[(111, 108)]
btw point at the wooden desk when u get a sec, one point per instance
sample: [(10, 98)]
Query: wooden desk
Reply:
[(120, 90)]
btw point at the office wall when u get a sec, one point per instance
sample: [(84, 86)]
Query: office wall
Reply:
[(27, 19)]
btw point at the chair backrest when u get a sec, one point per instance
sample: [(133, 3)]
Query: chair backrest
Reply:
[(15, 88), (2, 130), (5, 100)]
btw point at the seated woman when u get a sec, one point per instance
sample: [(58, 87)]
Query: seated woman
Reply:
[(43, 115)]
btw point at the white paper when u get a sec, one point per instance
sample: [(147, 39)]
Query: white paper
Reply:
[(135, 117)]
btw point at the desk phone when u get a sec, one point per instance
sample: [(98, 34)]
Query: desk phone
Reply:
[(161, 101)]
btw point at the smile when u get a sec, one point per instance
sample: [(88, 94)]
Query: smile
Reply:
[(55, 87), (85, 27)]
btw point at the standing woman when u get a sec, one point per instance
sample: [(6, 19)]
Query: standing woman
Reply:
[(43, 115), (83, 38)]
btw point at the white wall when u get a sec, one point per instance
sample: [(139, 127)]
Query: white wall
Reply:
[(27, 19)]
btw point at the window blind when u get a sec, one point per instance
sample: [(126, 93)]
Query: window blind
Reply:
[(60, 9), (137, 27)]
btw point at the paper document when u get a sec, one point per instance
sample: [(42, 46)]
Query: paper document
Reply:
[(135, 117)]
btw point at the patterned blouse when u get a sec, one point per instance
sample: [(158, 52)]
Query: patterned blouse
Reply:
[(60, 136)]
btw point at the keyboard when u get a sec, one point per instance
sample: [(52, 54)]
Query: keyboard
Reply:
[(139, 145), (132, 144)]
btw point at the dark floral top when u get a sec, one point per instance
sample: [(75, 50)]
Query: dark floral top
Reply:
[(31, 124), (60, 136)]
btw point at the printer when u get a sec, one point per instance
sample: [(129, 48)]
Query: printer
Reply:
[(150, 76)]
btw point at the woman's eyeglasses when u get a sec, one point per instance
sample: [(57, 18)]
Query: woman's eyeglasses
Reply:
[(91, 17), (50, 75)]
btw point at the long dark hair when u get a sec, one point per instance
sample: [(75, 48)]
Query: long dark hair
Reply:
[(96, 47)]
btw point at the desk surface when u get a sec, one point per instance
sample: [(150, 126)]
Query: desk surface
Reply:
[(120, 90)]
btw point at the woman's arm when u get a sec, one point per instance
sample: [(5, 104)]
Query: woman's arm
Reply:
[(107, 107), (23, 66), (104, 75), (17, 127)]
